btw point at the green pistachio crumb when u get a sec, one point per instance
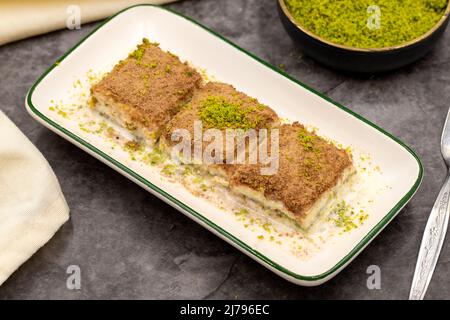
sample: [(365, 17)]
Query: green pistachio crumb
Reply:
[(130, 126), (133, 146), (367, 23), (345, 217), (169, 169), (241, 212), (217, 112), (156, 157)]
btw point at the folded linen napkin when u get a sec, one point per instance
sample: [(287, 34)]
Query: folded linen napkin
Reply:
[(32, 206), (26, 18)]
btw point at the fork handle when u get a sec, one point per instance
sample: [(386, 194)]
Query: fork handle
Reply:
[(432, 241)]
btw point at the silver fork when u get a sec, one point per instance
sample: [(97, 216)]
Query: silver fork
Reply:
[(436, 227)]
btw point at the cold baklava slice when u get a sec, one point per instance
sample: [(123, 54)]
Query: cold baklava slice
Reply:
[(144, 91), (311, 173), (220, 107)]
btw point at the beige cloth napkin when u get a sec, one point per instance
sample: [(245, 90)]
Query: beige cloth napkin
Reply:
[(26, 18), (32, 206)]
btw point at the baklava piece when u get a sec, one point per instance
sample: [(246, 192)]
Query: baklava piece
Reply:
[(144, 91), (312, 171), (220, 106)]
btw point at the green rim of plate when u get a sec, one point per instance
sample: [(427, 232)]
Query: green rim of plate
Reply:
[(346, 259)]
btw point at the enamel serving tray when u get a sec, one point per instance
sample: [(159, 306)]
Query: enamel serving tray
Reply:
[(401, 168)]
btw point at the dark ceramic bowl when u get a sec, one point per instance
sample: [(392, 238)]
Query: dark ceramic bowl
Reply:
[(360, 60)]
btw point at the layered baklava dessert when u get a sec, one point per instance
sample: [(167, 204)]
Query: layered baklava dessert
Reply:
[(145, 90), (158, 98)]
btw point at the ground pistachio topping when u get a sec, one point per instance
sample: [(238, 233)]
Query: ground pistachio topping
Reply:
[(218, 113), (138, 54), (133, 146), (367, 23), (346, 217), (308, 140), (169, 169), (155, 157)]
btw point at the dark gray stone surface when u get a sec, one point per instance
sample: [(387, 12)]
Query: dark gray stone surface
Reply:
[(131, 245)]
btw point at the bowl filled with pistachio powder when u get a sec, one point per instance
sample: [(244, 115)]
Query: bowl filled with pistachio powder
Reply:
[(365, 36)]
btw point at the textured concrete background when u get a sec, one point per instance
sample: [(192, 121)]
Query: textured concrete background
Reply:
[(131, 245)]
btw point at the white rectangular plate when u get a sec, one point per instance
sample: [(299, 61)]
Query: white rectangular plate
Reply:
[(401, 168)]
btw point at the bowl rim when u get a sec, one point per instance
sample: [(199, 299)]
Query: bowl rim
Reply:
[(441, 21)]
